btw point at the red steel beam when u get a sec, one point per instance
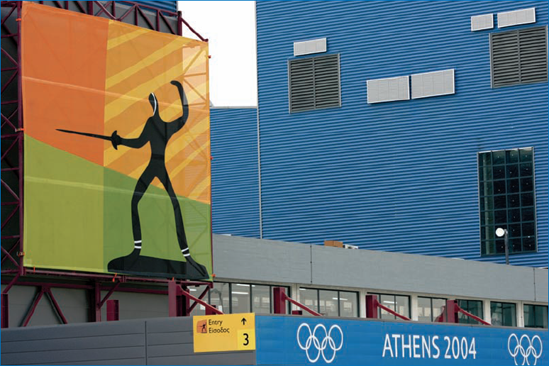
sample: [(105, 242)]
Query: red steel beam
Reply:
[(202, 295), (34, 304), (56, 307), (391, 311)]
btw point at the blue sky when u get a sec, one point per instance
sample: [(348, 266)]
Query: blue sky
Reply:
[(230, 28)]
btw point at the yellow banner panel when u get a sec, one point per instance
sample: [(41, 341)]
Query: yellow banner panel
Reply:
[(117, 147)]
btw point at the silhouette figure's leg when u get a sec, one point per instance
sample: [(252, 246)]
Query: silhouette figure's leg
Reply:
[(140, 189), (181, 237), (200, 269)]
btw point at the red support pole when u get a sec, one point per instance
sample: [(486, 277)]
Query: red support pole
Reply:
[(179, 24), (279, 300), (451, 311), (174, 299), (113, 310), (371, 306), (20, 139), (5, 311), (210, 311), (185, 304), (97, 302)]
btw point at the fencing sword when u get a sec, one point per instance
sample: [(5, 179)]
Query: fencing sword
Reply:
[(114, 138)]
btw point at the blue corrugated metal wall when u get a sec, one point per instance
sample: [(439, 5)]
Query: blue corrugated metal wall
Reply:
[(398, 176), (166, 5), (235, 188)]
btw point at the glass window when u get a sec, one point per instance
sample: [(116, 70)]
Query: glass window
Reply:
[(309, 298), (196, 292), (503, 313), (261, 299), (535, 316), (472, 306), (328, 303), (348, 304), (429, 308), (398, 303), (240, 298), (438, 307), (220, 296), (506, 198)]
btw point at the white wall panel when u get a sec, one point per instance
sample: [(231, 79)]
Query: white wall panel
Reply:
[(516, 17), (481, 22), (388, 90), (310, 47), (431, 84)]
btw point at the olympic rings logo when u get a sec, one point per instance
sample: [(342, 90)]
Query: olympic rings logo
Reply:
[(313, 341), (526, 347)]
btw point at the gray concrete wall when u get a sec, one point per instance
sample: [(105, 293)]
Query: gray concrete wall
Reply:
[(541, 280), (167, 341), (261, 260), (73, 303), (276, 261)]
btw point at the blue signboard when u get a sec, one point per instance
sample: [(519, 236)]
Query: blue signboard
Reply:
[(303, 340)]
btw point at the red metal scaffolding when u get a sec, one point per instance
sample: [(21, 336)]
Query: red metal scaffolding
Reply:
[(12, 127)]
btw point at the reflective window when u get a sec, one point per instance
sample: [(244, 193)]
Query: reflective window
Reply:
[(240, 298), (503, 313), (397, 303), (472, 306), (261, 299), (220, 296), (535, 316), (309, 298), (429, 308), (243, 298), (506, 193), (348, 304), (328, 304)]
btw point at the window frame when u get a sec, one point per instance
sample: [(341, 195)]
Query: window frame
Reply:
[(317, 309), (409, 315), (502, 304), (534, 307), (250, 302), (470, 320), (431, 303), (483, 252)]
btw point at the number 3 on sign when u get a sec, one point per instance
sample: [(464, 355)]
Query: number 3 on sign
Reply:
[(246, 339)]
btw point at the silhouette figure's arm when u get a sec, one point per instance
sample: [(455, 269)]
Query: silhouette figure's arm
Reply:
[(135, 143), (177, 124)]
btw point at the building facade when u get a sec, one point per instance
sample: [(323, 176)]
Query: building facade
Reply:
[(415, 127)]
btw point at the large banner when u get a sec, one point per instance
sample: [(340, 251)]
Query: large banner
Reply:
[(117, 147), (321, 341)]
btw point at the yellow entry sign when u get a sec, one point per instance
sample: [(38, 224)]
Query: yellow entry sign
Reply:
[(217, 333)]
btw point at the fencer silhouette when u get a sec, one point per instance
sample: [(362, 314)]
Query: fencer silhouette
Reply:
[(157, 133)]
